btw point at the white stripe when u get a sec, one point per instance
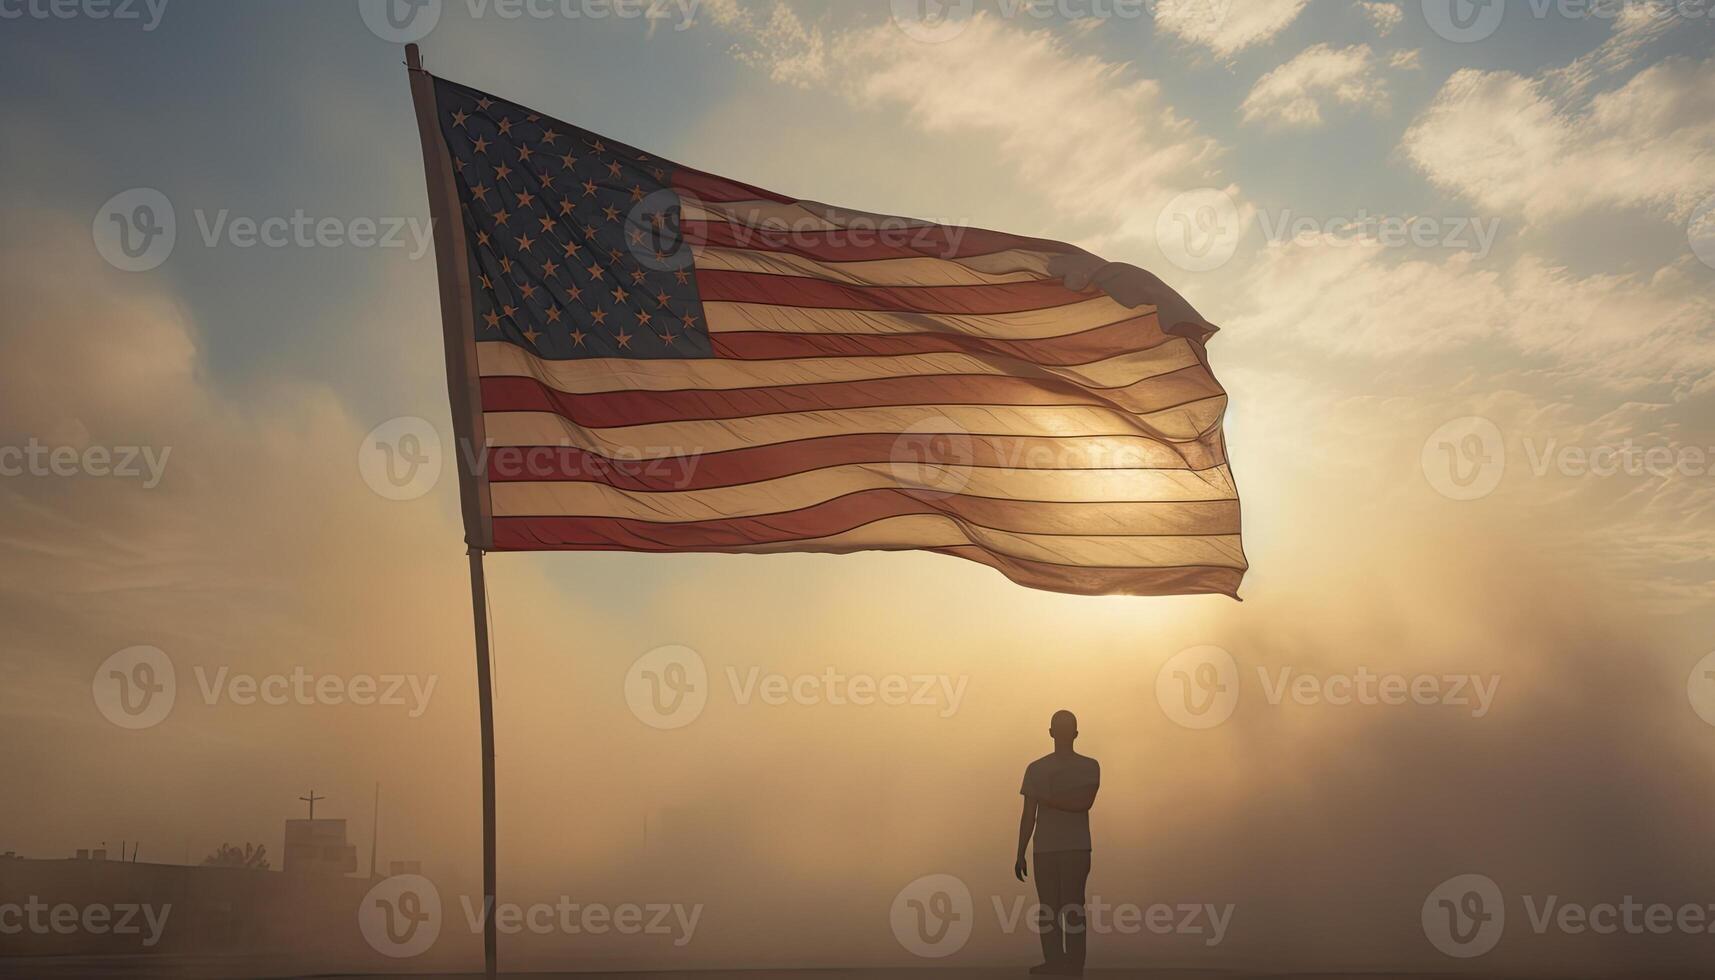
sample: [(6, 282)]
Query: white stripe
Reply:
[(814, 487), (602, 374), (658, 440), (1027, 325), (931, 531), (1008, 267)]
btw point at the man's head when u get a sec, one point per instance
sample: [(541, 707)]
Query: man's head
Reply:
[(1063, 727)]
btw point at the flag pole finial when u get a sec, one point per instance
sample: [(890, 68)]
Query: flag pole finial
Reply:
[(413, 57)]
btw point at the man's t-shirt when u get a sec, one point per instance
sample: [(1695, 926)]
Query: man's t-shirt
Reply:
[(1051, 775)]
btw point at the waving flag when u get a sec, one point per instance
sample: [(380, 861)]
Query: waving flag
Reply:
[(657, 359)]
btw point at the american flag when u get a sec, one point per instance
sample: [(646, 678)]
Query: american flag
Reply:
[(670, 361)]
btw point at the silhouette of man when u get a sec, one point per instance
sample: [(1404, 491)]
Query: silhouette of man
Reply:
[(1059, 790)]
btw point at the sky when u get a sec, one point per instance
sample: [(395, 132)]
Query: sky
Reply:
[(1462, 267)]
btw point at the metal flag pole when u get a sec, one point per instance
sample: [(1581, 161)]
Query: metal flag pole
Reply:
[(463, 390)]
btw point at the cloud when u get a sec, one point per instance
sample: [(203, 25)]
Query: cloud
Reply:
[(1292, 95), (1224, 26), (1118, 150), (1383, 16), (781, 44), (1619, 332), (1533, 146), (1636, 26)]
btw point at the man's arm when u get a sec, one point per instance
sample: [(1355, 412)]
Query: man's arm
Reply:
[(1026, 827), (1077, 800)]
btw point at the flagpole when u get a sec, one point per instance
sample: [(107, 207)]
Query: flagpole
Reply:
[(485, 699), (463, 390)]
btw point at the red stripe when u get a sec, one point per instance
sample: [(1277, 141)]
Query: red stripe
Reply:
[(864, 244), (518, 534), (1087, 580), (618, 408), (864, 507), (723, 286), (1097, 344), (569, 464)]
